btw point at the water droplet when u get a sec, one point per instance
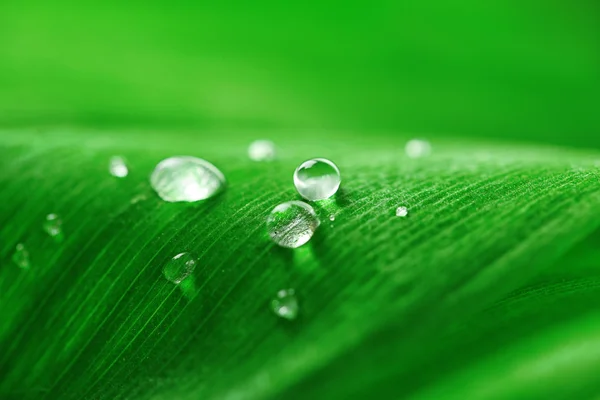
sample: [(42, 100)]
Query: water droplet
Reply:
[(136, 199), (292, 224), (21, 256), (417, 148), (332, 217), (262, 150), (180, 267), (317, 179), (401, 212), (187, 179), (285, 305), (118, 167), (53, 225)]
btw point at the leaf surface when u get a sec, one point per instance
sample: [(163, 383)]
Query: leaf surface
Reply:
[(382, 297)]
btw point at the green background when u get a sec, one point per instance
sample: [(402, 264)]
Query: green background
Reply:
[(525, 70), (489, 289)]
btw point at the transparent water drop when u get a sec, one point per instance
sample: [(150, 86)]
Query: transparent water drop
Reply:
[(417, 148), (185, 178), (180, 267), (138, 198), (285, 304), (292, 224), (401, 211), (317, 179), (262, 150), (118, 167), (53, 225), (21, 256), (332, 217)]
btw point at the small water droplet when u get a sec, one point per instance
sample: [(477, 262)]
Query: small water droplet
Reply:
[(186, 179), (332, 217), (262, 150), (417, 148), (136, 199), (317, 179), (401, 212), (53, 225), (292, 224), (285, 305), (118, 167), (21, 256), (180, 267)]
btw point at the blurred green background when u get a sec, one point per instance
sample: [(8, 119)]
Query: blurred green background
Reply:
[(404, 309), (517, 70)]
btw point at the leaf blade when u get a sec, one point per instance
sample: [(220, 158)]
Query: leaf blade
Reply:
[(122, 330)]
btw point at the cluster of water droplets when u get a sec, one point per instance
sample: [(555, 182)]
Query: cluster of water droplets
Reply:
[(293, 223), (190, 179)]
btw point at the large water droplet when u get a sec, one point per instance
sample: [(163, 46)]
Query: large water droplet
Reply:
[(401, 212), (53, 225), (118, 167), (292, 224), (285, 305), (186, 178), (317, 179), (180, 267), (21, 256), (417, 148), (262, 150)]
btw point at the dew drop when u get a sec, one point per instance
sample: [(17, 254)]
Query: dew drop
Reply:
[(285, 305), (401, 212), (186, 179), (317, 179), (332, 217), (138, 198), (180, 267), (21, 256), (53, 225), (417, 148), (262, 150), (118, 167), (292, 224)]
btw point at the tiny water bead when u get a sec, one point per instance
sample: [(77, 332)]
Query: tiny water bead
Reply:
[(317, 179), (262, 150), (138, 198), (187, 179), (285, 305), (401, 211), (53, 225), (118, 167), (417, 148), (180, 267), (292, 224), (21, 256), (332, 217)]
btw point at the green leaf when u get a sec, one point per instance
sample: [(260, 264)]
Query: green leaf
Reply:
[(389, 306)]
